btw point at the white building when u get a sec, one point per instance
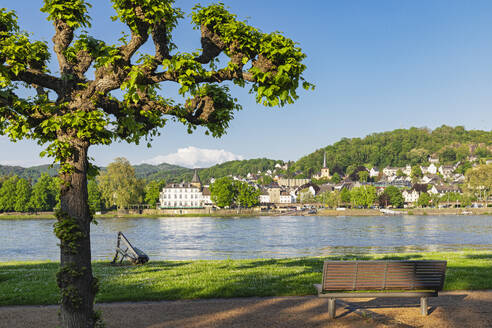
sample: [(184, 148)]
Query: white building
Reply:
[(446, 170), (432, 169), (185, 195), (264, 197), (374, 172), (390, 171), (407, 170), (410, 196), (286, 198)]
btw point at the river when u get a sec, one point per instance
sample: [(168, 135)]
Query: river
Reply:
[(187, 238)]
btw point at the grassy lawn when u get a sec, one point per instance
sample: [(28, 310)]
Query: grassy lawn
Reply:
[(34, 282)]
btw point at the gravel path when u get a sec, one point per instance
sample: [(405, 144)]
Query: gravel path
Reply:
[(458, 309)]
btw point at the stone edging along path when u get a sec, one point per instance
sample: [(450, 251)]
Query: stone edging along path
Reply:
[(451, 309)]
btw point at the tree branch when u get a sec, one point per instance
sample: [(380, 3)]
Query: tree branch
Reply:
[(61, 40), (212, 45), (139, 37), (197, 111), (161, 42), (84, 61), (8, 100), (221, 75), (37, 78)]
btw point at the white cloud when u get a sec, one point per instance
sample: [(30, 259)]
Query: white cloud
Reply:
[(195, 157), (24, 163), (12, 163)]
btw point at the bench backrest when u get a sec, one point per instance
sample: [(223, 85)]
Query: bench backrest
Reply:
[(383, 275)]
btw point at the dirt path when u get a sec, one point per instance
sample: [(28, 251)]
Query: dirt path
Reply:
[(452, 309)]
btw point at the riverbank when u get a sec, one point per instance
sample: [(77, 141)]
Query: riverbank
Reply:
[(33, 283), (405, 211), (243, 213)]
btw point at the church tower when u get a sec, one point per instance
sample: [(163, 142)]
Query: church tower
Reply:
[(325, 172), (196, 180)]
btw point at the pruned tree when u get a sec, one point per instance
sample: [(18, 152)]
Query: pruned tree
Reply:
[(71, 111)]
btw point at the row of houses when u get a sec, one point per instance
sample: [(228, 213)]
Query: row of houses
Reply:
[(435, 180)]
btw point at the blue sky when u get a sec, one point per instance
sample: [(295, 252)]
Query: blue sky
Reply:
[(377, 66)]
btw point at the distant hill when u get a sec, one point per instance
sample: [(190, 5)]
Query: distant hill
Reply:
[(172, 173), (164, 171), (394, 148), (400, 147), (30, 173), (237, 167)]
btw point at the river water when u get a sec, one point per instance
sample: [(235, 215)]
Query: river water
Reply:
[(256, 237)]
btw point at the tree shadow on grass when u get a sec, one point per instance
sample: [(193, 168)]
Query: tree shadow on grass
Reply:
[(139, 268), (479, 256)]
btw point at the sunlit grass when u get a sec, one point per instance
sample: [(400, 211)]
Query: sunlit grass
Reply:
[(34, 282)]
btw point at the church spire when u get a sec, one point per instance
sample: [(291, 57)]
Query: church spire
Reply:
[(196, 179), (324, 160)]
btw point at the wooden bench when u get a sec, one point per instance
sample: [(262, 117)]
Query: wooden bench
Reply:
[(368, 279)]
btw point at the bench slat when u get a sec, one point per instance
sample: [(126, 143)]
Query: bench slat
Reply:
[(383, 275)]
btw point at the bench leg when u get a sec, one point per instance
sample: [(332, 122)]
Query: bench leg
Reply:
[(331, 308), (423, 306)]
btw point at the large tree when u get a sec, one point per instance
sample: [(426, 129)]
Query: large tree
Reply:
[(76, 109), (119, 185), (8, 194), (479, 181)]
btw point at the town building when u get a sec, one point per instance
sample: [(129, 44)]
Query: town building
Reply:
[(410, 196), (185, 195), (292, 182), (390, 171), (286, 198), (374, 172)]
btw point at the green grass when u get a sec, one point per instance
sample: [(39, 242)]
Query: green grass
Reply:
[(27, 217), (34, 283)]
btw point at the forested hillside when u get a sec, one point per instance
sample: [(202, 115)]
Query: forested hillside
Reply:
[(394, 148), (30, 173), (161, 171), (178, 174), (164, 171), (400, 147)]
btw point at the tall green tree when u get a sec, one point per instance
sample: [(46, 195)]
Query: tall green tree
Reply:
[(384, 200), (424, 200), (479, 181), (335, 178), (8, 193), (364, 196), (119, 185), (44, 195), (94, 196), (23, 196), (395, 196), (345, 196), (363, 176), (152, 191), (223, 192), (76, 109), (246, 195), (416, 173), (265, 180)]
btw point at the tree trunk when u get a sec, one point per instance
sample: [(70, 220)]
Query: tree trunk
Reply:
[(78, 286)]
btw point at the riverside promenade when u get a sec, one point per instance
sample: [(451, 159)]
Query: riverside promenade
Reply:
[(452, 309)]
